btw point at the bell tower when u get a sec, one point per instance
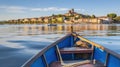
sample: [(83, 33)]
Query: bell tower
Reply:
[(72, 10)]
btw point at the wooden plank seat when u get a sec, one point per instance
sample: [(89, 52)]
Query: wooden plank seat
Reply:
[(69, 50), (98, 64)]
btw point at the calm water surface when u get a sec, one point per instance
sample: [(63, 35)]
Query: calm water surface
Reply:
[(18, 43)]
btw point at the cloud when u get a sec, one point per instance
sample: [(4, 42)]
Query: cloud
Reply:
[(49, 9), (13, 9), (82, 10), (20, 9), (54, 9)]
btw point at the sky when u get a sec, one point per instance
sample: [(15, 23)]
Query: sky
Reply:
[(18, 9)]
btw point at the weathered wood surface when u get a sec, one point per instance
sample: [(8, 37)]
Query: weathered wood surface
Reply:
[(68, 50), (98, 64)]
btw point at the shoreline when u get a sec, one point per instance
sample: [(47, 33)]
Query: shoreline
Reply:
[(58, 23)]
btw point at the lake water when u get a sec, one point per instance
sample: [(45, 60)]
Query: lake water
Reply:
[(18, 43)]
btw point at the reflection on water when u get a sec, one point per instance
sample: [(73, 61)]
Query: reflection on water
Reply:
[(20, 42), (82, 29)]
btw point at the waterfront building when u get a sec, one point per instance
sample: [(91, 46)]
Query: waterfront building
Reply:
[(33, 19), (40, 19), (105, 19), (46, 19), (70, 17), (26, 20)]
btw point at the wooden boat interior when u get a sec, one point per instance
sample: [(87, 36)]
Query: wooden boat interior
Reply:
[(63, 53)]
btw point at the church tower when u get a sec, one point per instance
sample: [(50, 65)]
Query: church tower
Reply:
[(72, 10)]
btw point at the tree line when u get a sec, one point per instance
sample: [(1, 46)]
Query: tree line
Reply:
[(114, 17)]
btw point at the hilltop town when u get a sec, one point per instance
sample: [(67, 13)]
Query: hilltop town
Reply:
[(70, 17)]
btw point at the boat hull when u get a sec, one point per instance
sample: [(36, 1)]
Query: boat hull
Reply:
[(49, 54)]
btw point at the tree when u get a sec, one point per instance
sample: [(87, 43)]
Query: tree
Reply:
[(112, 15), (53, 15), (117, 18), (87, 16), (93, 16), (59, 15)]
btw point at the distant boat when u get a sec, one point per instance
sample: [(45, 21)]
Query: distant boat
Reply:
[(63, 53), (52, 24)]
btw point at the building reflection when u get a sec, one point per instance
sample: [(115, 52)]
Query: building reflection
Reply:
[(60, 29), (25, 30), (45, 29), (63, 28)]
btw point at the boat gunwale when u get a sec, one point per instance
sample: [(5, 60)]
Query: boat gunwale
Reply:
[(32, 59), (36, 56), (98, 46)]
